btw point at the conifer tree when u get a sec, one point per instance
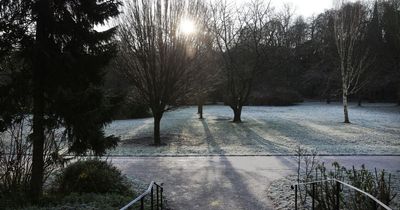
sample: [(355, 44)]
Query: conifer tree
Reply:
[(65, 56)]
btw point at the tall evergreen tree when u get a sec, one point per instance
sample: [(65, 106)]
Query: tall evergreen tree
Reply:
[(373, 40), (13, 79), (391, 28), (66, 57), (374, 32)]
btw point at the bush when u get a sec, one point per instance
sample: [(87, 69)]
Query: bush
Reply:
[(91, 176), (279, 97), (86, 201), (16, 159), (132, 110), (378, 184)]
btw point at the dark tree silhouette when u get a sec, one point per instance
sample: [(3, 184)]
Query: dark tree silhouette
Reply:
[(207, 72), (156, 55), (64, 56), (240, 40), (391, 28)]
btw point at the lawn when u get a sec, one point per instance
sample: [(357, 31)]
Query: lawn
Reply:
[(375, 130)]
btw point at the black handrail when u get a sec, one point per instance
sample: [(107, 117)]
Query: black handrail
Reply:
[(338, 183), (159, 196)]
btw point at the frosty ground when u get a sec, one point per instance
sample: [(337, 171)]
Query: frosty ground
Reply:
[(226, 182), (375, 130)]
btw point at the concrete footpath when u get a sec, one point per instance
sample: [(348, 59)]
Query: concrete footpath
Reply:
[(227, 182)]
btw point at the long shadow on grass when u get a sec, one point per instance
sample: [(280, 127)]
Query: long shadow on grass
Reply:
[(261, 142), (244, 198), (243, 137), (212, 145), (292, 133)]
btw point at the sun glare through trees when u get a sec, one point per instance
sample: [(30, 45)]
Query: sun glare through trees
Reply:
[(231, 104), (187, 26)]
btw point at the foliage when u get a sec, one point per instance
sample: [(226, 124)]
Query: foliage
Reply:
[(129, 104), (54, 45), (132, 110), (85, 201), (378, 184), (278, 97), (16, 160), (91, 176), (85, 184)]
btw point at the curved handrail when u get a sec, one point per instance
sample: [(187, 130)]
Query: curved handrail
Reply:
[(350, 186), (139, 197)]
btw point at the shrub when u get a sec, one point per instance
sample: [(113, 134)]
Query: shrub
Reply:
[(85, 201), (16, 161), (91, 176), (132, 110), (378, 184), (279, 97)]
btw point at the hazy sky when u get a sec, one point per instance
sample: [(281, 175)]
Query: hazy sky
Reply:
[(304, 7), (301, 7)]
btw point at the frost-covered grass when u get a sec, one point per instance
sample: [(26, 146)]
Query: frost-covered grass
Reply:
[(375, 129)]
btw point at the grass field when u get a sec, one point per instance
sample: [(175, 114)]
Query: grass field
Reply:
[(375, 129)]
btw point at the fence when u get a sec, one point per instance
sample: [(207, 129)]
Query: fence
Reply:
[(337, 196), (156, 202)]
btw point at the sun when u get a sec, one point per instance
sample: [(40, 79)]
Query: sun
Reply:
[(187, 26)]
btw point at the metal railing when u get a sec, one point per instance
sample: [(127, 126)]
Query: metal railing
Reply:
[(156, 204), (337, 196)]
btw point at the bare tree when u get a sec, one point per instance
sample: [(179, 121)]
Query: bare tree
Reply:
[(240, 38), (16, 159), (207, 75), (285, 18), (354, 59), (156, 54)]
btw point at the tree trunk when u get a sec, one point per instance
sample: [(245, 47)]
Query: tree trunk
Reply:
[(36, 181), (237, 111), (38, 142), (157, 139), (398, 96), (328, 97), (328, 100), (346, 113), (200, 109)]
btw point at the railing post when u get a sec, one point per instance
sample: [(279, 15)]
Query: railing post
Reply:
[(142, 203), (337, 195), (151, 198), (161, 198), (313, 195), (157, 196), (295, 197)]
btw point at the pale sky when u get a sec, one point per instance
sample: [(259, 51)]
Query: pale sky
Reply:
[(305, 8)]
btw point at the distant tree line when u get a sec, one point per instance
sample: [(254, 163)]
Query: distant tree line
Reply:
[(261, 56), (301, 58)]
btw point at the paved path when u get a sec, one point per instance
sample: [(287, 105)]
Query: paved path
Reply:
[(226, 182)]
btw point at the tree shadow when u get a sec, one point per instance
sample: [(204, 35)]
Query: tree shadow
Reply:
[(244, 196), (212, 145)]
